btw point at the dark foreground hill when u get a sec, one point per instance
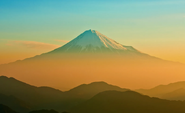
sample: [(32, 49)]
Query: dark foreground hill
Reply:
[(128, 102), (97, 97), (14, 103), (31, 94), (44, 111), (22, 96), (6, 109)]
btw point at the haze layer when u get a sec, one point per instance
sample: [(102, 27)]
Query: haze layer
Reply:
[(94, 57)]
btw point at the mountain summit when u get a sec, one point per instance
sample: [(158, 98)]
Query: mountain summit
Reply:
[(93, 41)]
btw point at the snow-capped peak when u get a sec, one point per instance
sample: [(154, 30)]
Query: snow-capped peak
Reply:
[(95, 39), (92, 40)]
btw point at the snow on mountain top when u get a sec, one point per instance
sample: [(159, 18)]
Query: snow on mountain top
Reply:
[(95, 39), (94, 42)]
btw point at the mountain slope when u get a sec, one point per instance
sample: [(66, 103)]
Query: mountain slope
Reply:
[(83, 92), (178, 94), (172, 91), (44, 111), (86, 91), (35, 96), (94, 57), (14, 103), (128, 102), (6, 109)]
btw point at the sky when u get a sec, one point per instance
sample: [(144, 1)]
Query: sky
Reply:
[(33, 27)]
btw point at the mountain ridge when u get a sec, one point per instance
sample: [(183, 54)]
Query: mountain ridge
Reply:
[(128, 101), (171, 91)]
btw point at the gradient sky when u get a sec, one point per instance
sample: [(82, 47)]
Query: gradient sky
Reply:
[(31, 27)]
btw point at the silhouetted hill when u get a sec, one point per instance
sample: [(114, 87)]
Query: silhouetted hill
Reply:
[(178, 94), (50, 98), (35, 96), (173, 91), (44, 111), (86, 91), (6, 109), (128, 102), (14, 103)]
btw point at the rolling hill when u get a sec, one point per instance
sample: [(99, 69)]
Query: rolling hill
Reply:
[(172, 91)]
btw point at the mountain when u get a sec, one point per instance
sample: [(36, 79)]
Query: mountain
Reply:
[(127, 102), (90, 57), (14, 103), (93, 41), (90, 44), (6, 109), (172, 91)]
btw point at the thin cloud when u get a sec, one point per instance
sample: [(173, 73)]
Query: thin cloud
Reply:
[(64, 41), (31, 44)]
